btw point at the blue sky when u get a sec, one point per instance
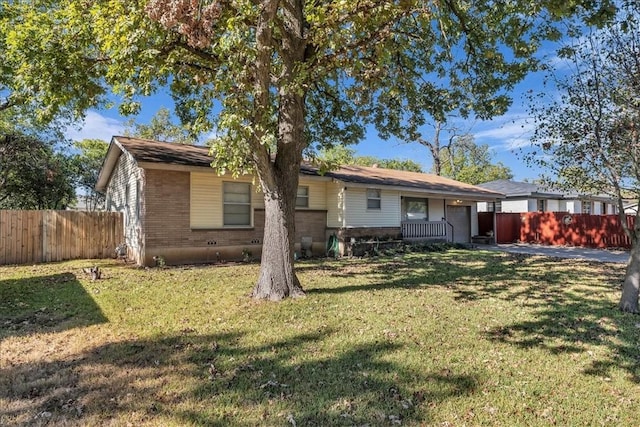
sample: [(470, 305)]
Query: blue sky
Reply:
[(504, 134)]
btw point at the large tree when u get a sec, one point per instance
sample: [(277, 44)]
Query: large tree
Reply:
[(468, 162), (33, 175), (276, 77), (590, 137)]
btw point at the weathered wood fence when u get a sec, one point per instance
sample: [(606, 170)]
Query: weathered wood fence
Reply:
[(46, 236)]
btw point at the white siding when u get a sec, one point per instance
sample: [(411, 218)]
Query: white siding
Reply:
[(553, 206), (317, 193), (474, 219), (206, 199), (127, 175), (515, 205), (483, 206), (357, 214), (207, 204), (436, 209), (574, 206), (335, 205)]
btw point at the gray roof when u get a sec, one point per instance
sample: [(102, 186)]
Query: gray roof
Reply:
[(520, 189)]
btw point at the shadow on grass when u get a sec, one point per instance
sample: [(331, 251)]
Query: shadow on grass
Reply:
[(217, 380), (45, 304), (567, 316)]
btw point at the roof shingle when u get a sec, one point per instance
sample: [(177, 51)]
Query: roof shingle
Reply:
[(148, 151)]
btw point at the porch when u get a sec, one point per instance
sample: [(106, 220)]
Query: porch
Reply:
[(426, 230)]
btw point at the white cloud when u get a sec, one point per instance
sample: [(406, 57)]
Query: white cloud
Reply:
[(512, 134), (95, 126)]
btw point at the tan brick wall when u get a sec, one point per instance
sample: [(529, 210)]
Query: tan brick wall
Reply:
[(168, 232)]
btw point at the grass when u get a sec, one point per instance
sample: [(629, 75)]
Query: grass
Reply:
[(452, 338)]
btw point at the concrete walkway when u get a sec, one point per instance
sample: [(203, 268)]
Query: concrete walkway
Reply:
[(601, 255)]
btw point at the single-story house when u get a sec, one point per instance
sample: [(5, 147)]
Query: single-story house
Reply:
[(177, 207), (631, 208), (530, 197)]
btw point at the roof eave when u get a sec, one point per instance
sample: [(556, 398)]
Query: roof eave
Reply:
[(108, 165), (468, 195)]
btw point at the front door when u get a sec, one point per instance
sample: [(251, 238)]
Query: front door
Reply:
[(460, 218)]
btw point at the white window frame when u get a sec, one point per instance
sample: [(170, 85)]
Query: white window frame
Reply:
[(407, 200), (302, 200), (226, 203), (374, 197)]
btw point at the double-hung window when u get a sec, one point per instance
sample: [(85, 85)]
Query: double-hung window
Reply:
[(237, 204), (374, 198), (302, 198)]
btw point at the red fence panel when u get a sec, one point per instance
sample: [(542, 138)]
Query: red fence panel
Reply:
[(561, 228), (507, 227)]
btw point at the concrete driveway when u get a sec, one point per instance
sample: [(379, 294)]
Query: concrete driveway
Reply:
[(600, 255)]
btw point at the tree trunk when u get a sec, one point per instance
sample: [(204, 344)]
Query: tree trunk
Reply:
[(279, 176), (277, 279), (631, 286)]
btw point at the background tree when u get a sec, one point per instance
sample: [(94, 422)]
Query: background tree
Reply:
[(465, 161), (397, 164), (438, 143), (87, 168), (33, 176), (161, 128), (283, 74), (331, 158), (590, 137)]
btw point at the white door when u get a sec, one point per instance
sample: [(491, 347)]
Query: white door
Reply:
[(460, 218)]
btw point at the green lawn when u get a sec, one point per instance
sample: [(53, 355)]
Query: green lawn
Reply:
[(448, 338)]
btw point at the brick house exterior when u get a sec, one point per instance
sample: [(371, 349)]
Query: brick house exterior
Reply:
[(176, 207)]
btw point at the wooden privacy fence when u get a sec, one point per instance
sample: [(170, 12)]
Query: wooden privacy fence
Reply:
[(46, 236), (561, 228)]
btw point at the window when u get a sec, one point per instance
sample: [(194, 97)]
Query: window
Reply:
[(416, 209), (302, 198), (237, 203), (373, 198), (541, 205), (586, 207)]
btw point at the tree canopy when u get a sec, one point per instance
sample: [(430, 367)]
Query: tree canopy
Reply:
[(589, 138), (465, 161), (276, 77), (33, 175), (161, 128), (330, 158)]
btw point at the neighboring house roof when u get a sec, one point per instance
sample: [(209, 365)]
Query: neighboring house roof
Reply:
[(520, 189), (526, 189), (147, 152), (631, 208)]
